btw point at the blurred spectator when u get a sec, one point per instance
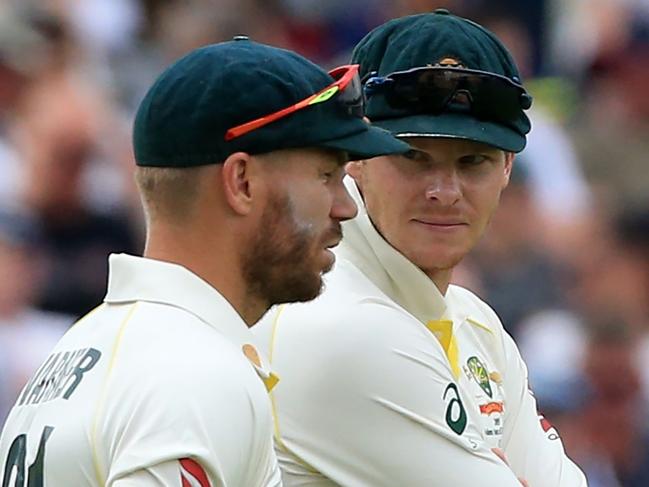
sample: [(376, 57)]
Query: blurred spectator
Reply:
[(613, 418), (585, 378), (632, 228), (320, 32), (633, 240), (553, 343), (26, 334), (76, 237), (608, 55), (608, 271), (518, 275), (557, 184), (579, 30), (105, 27), (76, 191), (610, 130), (22, 56)]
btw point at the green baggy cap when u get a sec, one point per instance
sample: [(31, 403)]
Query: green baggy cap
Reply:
[(439, 39), (183, 118)]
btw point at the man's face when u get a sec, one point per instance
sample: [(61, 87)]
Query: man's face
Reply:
[(298, 226), (434, 203)]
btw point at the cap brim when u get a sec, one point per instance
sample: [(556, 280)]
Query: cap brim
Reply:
[(369, 143), (455, 126)]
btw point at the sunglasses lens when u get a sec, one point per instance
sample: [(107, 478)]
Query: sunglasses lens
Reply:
[(352, 91), (351, 97), (434, 90), (497, 100)]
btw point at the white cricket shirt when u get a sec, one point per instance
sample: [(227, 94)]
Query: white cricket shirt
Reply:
[(387, 382), (158, 386)]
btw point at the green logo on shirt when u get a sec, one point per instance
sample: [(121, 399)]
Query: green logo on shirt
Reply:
[(455, 413), (480, 374)]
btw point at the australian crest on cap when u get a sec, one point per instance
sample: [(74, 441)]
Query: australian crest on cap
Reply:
[(449, 62)]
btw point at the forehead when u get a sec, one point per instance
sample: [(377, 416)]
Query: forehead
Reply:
[(447, 145), (319, 155), (304, 159)]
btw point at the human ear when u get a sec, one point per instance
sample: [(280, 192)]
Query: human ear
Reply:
[(355, 169), (236, 178)]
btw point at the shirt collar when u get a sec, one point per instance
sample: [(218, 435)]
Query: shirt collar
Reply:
[(386, 267), (133, 279)]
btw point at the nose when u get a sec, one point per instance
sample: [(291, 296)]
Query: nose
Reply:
[(445, 187), (343, 206)]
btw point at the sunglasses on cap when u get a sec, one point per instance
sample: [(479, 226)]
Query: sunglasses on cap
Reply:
[(346, 88), (433, 90)]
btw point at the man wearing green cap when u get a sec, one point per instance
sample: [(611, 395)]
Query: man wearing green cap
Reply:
[(240, 150), (395, 377)]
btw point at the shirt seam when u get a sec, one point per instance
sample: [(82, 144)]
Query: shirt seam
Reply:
[(102, 396), (273, 405)]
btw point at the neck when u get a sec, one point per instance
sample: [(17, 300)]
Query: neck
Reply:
[(215, 261), (441, 278)]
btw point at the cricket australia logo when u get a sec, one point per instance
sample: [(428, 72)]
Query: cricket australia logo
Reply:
[(480, 374)]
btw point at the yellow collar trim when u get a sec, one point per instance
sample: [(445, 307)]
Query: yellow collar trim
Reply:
[(443, 331)]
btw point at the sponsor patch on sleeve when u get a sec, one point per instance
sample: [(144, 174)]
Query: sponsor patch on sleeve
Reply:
[(192, 474)]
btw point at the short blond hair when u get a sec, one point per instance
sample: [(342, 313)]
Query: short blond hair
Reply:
[(169, 193)]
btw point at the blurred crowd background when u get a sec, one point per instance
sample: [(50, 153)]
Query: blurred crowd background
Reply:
[(565, 262)]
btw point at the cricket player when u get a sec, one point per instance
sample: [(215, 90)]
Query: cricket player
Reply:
[(394, 376), (240, 150)]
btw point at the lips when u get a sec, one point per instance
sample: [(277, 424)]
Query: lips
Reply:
[(333, 237), (440, 222)]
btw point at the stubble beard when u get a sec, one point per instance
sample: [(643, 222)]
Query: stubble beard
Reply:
[(278, 265)]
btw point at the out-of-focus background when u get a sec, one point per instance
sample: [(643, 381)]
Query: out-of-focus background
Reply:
[(565, 262)]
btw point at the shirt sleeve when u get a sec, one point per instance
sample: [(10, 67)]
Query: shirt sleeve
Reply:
[(184, 472), (212, 409), (377, 405), (533, 447)]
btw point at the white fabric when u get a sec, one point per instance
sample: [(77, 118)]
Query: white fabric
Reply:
[(163, 378), (368, 396)]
